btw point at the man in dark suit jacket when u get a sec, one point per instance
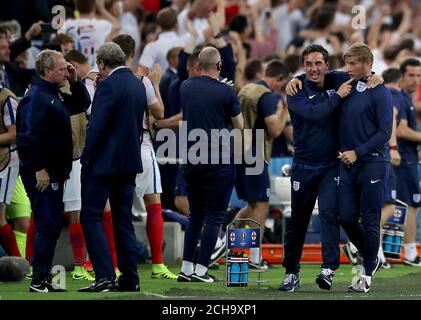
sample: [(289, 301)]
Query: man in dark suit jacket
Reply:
[(110, 162)]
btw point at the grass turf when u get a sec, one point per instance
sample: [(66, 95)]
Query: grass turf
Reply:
[(398, 283)]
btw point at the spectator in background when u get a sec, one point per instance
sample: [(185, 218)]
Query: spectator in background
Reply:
[(12, 76), (156, 51), (88, 31), (288, 18), (66, 43), (130, 25), (168, 76)]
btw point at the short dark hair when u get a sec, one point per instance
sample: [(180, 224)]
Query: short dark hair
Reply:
[(292, 61), (173, 53), (271, 57), (63, 38), (336, 62), (407, 44), (238, 23), (324, 17), (252, 68), (391, 75), (167, 18), (76, 56), (276, 68), (390, 52), (409, 62), (85, 6), (315, 48), (194, 57), (126, 43)]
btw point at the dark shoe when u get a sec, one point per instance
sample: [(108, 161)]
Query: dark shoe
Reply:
[(291, 282), (387, 265), (44, 287), (182, 277), (325, 278), (360, 286), (101, 285), (205, 278)]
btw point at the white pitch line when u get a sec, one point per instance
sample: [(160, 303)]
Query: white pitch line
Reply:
[(164, 296)]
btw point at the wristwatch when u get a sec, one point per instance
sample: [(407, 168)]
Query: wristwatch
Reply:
[(155, 125), (394, 147)]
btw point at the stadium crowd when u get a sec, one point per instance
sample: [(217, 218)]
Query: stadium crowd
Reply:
[(213, 64)]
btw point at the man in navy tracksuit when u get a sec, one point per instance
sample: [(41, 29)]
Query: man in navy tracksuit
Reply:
[(364, 132), (207, 105), (314, 116), (408, 189), (45, 147)]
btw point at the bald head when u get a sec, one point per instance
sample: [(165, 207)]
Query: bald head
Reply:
[(209, 58)]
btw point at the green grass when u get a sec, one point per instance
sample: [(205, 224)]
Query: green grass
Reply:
[(399, 283)]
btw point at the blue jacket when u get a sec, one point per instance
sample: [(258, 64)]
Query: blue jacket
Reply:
[(366, 122), (43, 128), (164, 86), (314, 117), (115, 126)]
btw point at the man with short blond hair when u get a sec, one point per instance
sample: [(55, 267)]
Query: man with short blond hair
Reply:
[(364, 131)]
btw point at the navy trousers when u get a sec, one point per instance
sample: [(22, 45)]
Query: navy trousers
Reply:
[(361, 194), (209, 189), (95, 192), (306, 186), (47, 210)]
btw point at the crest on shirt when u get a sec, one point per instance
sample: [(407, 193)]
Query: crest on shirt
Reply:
[(296, 185), (393, 194), (54, 186), (330, 92), (416, 197), (361, 86)]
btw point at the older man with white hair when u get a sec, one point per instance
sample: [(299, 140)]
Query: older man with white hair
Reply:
[(110, 161), (44, 142)]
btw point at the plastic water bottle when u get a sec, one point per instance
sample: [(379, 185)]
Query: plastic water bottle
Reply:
[(235, 274), (397, 240), (244, 270), (388, 238)]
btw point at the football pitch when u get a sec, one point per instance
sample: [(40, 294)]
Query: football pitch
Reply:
[(399, 283)]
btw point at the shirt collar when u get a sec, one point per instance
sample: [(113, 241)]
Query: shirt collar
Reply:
[(115, 69), (263, 83), (43, 83), (312, 85)]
